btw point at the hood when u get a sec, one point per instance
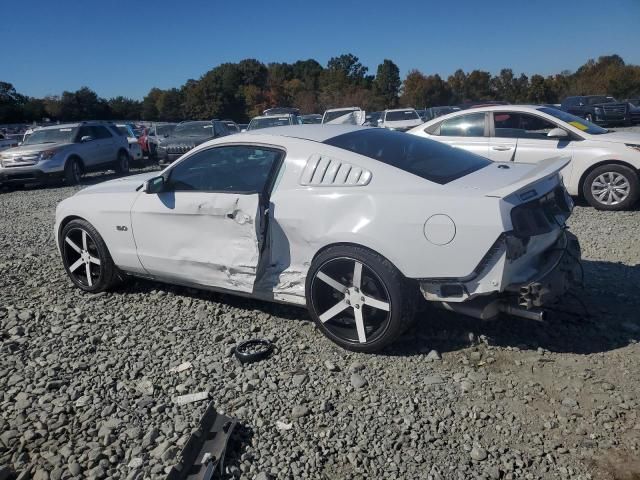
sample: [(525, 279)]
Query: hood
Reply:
[(30, 149), (495, 180), (119, 185), (617, 137), (403, 123), (184, 140)]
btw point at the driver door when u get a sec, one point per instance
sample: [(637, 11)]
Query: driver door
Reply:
[(205, 226)]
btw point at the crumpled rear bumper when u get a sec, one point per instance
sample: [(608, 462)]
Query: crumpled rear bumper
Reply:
[(561, 272)]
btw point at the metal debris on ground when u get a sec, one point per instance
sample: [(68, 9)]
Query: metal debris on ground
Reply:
[(205, 449), (190, 398)]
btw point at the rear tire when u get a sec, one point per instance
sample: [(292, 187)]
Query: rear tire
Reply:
[(611, 187), (72, 171), (358, 299), (86, 258), (122, 163)]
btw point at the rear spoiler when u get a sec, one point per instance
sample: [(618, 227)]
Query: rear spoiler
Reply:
[(544, 169)]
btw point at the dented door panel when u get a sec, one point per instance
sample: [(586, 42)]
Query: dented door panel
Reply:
[(205, 238)]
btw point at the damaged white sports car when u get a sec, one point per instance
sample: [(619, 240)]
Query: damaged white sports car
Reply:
[(352, 222)]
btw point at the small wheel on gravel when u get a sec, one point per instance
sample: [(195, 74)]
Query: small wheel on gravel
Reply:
[(86, 258), (611, 187), (359, 299), (72, 171), (122, 163)]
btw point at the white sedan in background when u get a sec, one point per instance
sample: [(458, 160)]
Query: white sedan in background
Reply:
[(352, 222), (604, 166)]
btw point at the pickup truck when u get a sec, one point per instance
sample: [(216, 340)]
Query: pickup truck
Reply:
[(600, 109)]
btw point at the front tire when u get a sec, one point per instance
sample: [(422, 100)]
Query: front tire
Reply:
[(86, 258), (72, 171), (611, 187), (358, 299), (122, 163)]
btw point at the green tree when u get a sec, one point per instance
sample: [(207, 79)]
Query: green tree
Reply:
[(387, 83)]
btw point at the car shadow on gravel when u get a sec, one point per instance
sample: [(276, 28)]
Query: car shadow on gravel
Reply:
[(598, 318)]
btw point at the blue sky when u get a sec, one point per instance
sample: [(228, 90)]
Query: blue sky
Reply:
[(125, 48)]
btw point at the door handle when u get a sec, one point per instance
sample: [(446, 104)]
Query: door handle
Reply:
[(501, 148)]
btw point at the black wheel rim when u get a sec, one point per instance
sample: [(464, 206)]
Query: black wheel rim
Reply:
[(75, 170), (351, 300), (82, 257)]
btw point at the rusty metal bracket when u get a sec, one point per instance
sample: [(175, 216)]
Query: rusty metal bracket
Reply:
[(205, 449)]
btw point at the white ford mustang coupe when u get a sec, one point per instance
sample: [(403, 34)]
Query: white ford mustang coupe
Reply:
[(355, 223)]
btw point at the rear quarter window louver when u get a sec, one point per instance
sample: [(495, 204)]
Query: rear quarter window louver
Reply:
[(323, 171)]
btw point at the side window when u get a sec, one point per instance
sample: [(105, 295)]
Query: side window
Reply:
[(470, 125), (238, 169), (85, 132), (521, 125), (100, 132)]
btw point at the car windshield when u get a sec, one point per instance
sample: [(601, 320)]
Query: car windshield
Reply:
[(577, 122), (267, 122), (600, 99), (431, 160), (165, 129), (329, 116), (311, 119), (50, 135), (194, 129), (401, 115)]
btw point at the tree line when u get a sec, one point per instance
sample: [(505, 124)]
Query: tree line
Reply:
[(242, 90)]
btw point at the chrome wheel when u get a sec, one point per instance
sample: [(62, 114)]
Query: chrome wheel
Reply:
[(82, 257), (351, 300), (610, 188)]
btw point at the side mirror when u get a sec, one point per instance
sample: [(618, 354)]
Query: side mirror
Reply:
[(154, 185), (558, 133), (86, 138), (379, 121)]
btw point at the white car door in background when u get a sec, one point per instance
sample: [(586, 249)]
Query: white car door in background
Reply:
[(468, 131), (528, 135), (89, 149), (205, 226)]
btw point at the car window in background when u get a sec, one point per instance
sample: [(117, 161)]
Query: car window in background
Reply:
[(125, 131), (162, 130), (403, 115), (257, 123), (54, 135), (602, 99), (577, 122), (239, 169), (521, 125), (100, 132), (431, 160), (194, 129), (329, 116), (471, 125)]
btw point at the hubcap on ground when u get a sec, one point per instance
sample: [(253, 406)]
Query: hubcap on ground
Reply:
[(82, 257), (610, 188), (351, 300)]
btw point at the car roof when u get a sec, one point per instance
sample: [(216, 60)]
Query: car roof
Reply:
[(399, 109), (342, 108), (62, 125), (314, 132), (259, 117)]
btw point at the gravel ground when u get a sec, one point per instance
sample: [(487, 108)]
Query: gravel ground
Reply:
[(85, 390)]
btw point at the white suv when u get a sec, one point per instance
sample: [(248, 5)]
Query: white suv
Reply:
[(65, 151), (604, 165), (401, 119)]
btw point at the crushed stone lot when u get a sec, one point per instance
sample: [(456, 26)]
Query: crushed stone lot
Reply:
[(86, 392)]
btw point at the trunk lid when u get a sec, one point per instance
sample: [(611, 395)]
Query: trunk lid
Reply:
[(501, 179)]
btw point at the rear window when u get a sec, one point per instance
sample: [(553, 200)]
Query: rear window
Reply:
[(401, 115), (431, 160)]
